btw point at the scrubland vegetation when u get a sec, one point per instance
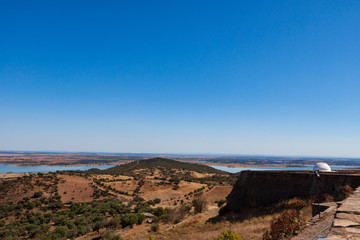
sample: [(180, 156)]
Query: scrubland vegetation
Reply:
[(159, 203), (74, 204)]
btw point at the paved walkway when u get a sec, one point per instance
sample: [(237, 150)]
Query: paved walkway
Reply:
[(319, 228), (346, 224), (338, 223)]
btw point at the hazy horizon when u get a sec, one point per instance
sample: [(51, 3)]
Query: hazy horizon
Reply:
[(175, 154)]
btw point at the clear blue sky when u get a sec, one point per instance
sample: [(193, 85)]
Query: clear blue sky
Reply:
[(243, 77)]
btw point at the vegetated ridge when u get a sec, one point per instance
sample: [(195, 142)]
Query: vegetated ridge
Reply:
[(127, 169)]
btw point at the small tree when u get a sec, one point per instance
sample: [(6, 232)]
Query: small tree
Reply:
[(159, 211), (199, 205), (129, 219), (38, 194)]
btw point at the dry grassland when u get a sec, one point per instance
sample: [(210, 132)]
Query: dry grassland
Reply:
[(126, 186), (111, 177), (75, 188), (152, 189)]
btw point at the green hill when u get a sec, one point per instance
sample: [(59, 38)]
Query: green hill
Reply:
[(169, 164)]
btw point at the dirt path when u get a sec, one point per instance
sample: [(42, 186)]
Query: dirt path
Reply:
[(319, 229), (217, 193)]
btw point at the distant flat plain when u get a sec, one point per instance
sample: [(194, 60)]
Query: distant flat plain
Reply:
[(49, 161)]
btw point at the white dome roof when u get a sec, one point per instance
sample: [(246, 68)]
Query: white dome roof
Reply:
[(322, 167)]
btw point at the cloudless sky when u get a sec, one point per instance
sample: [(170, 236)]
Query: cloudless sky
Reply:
[(241, 77)]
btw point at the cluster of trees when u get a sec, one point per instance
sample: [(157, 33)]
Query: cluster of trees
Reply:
[(7, 185), (112, 180), (98, 192), (230, 179), (48, 218), (168, 164), (70, 221), (196, 193), (142, 205), (138, 188)]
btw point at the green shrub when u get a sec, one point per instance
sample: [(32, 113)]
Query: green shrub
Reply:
[(110, 235), (38, 194), (129, 219), (155, 227), (159, 211), (287, 224), (228, 235), (221, 202), (199, 205)]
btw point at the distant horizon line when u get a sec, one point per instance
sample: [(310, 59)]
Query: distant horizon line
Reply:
[(176, 154)]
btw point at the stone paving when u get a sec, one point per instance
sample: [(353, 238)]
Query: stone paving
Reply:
[(317, 227), (346, 223)]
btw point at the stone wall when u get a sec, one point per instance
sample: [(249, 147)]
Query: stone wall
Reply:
[(263, 188)]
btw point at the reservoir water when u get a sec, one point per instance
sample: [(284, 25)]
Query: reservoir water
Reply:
[(4, 168), (305, 167), (44, 168)]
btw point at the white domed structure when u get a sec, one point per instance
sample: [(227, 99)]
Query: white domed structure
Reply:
[(322, 167)]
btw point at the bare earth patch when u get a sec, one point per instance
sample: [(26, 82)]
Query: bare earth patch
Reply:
[(152, 189), (125, 186), (217, 193), (75, 188)]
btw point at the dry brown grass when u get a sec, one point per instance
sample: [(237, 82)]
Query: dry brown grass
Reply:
[(19, 190), (111, 177), (75, 188), (12, 175), (196, 227), (217, 193), (152, 190), (125, 186)]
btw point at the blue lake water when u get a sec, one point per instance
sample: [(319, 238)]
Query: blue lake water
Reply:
[(305, 167), (32, 169)]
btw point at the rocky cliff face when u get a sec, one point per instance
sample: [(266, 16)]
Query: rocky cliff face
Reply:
[(260, 188)]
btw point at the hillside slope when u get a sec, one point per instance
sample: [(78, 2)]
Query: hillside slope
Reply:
[(127, 169)]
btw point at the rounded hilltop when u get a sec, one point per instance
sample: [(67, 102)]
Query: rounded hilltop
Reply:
[(158, 162)]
